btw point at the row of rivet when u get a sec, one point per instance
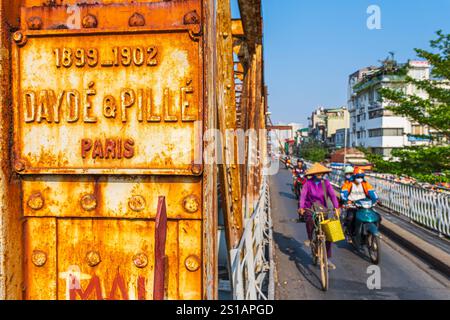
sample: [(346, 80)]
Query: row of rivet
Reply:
[(90, 20), (136, 203), (140, 260)]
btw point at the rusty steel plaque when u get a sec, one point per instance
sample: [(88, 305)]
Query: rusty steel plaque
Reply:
[(107, 102)]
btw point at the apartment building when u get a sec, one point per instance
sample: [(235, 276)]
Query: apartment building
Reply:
[(324, 123), (371, 124)]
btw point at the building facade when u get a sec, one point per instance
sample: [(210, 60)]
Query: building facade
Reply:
[(278, 136), (324, 123), (373, 126)]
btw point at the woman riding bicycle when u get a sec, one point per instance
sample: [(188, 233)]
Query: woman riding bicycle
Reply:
[(313, 196)]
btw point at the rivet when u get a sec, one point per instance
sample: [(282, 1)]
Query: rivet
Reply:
[(191, 17), (90, 21), (196, 169), (88, 202), (137, 203), (93, 258), (36, 201), (19, 165), (39, 258), (192, 263), (191, 203), (140, 260), (136, 20), (18, 36), (34, 23)]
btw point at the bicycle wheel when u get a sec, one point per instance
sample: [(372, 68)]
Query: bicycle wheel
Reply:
[(323, 264), (374, 249)]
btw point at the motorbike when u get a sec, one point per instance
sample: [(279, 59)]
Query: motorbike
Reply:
[(297, 184), (366, 228), (288, 163)]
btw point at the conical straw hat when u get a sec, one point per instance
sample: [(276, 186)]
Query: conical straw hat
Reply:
[(317, 168)]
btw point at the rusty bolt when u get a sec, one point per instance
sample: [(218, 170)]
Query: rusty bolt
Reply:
[(191, 18), (196, 169), (19, 165), (192, 263), (191, 203), (137, 203), (140, 260), (88, 202), (93, 258), (36, 201), (39, 258), (90, 21), (136, 20), (18, 36), (34, 23)]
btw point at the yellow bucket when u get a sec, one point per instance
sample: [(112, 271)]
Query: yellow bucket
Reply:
[(333, 230)]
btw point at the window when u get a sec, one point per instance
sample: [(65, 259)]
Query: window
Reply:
[(375, 133), (389, 132), (393, 132), (380, 113), (371, 96), (417, 129)]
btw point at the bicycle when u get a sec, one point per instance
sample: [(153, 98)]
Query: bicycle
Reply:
[(319, 248)]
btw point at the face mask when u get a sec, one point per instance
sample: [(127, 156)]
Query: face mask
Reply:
[(348, 176), (359, 180)]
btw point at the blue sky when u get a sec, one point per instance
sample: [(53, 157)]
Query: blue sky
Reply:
[(311, 46)]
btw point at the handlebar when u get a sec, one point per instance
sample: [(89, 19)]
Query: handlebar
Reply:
[(354, 205)]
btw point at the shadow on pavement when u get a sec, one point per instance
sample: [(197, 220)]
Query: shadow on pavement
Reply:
[(300, 254), (361, 254), (287, 195)]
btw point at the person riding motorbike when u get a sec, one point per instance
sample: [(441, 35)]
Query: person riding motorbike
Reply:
[(313, 197), (348, 173), (297, 172), (353, 190), (300, 168), (288, 162)]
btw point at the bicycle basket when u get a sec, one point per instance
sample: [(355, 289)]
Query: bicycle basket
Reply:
[(333, 230)]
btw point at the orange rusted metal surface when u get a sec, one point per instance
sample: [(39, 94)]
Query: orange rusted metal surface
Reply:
[(111, 196), (107, 96), (229, 170), (120, 95), (79, 258), (160, 250)]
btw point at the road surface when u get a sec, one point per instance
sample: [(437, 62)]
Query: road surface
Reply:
[(403, 276)]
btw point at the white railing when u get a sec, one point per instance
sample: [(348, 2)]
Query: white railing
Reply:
[(426, 207), (252, 261)]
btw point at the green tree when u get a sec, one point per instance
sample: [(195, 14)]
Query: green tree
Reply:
[(423, 162), (313, 151)]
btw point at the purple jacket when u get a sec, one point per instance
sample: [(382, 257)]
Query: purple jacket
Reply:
[(312, 192)]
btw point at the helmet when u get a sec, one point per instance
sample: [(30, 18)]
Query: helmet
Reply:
[(348, 169), (358, 172)]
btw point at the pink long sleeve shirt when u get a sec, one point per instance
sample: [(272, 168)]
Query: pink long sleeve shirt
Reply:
[(313, 192)]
